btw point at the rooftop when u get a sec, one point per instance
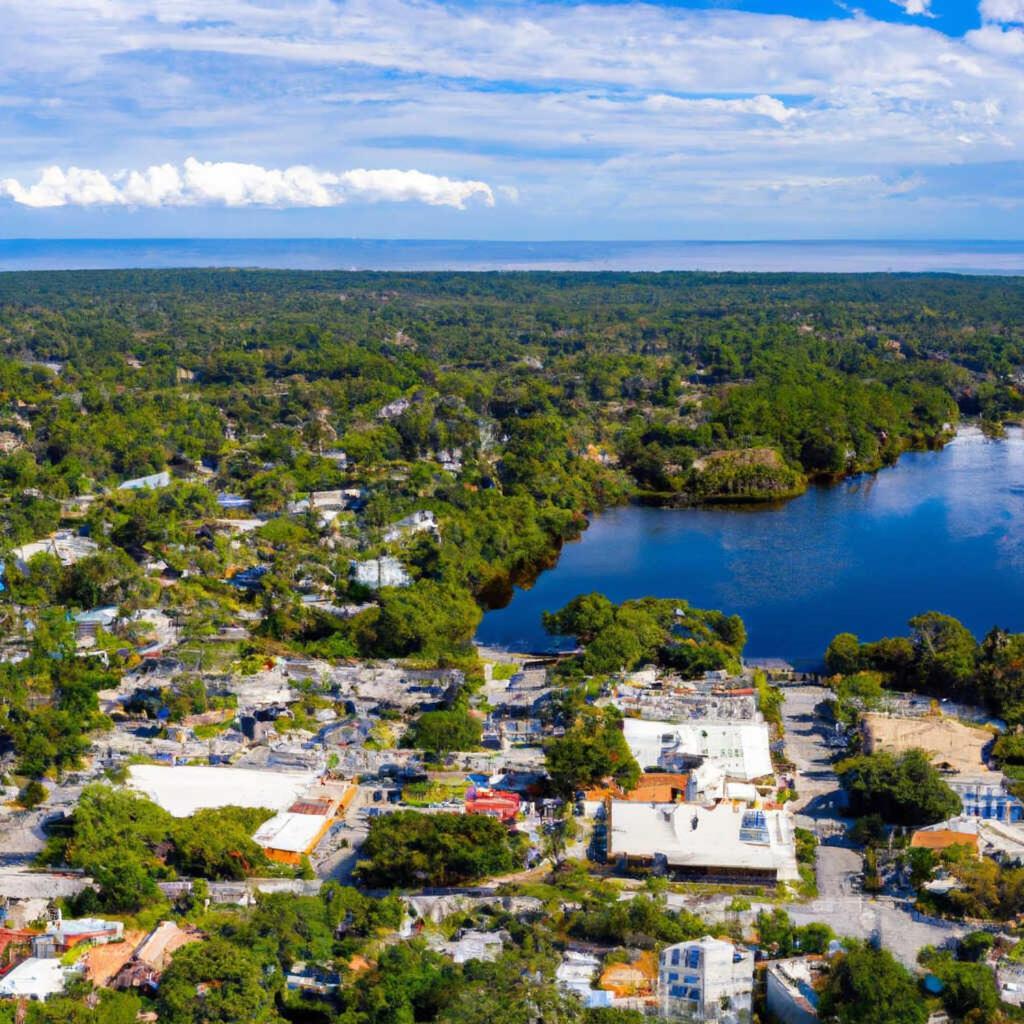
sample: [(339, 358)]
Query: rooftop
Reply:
[(182, 790)]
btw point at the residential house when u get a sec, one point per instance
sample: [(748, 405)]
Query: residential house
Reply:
[(34, 979), (792, 987), (706, 980)]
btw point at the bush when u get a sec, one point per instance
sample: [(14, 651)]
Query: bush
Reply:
[(32, 794), (903, 790)]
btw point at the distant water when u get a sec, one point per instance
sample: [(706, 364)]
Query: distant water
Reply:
[(378, 254), (941, 531)]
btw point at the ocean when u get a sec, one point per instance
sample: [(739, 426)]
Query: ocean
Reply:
[(961, 257)]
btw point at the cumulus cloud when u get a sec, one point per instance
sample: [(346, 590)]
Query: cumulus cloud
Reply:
[(205, 183), (1003, 11), (916, 7)]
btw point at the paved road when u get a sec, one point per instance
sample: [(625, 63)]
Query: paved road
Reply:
[(821, 807)]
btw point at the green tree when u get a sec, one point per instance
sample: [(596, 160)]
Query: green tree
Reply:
[(868, 986), (592, 750), (217, 982), (440, 732), (904, 790)]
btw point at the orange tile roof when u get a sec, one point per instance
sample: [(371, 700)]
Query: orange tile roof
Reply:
[(943, 839), (659, 787)]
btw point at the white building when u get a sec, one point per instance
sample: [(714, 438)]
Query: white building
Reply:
[(727, 842), (791, 992), (706, 980), (147, 483), (34, 978), (380, 572), (65, 546), (423, 521), (741, 748)]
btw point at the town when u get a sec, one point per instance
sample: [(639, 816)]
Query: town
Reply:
[(258, 764)]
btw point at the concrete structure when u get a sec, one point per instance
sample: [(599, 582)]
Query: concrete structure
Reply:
[(65, 546), (724, 843), (792, 988), (706, 980), (419, 522), (147, 483), (741, 748), (185, 789), (1010, 981), (33, 978), (952, 745), (985, 795), (380, 572)]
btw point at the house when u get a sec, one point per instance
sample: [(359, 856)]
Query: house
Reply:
[(471, 944), (233, 502), (706, 980), (576, 973), (727, 843), (311, 980), (65, 546), (34, 979), (94, 930), (939, 838), (504, 806), (147, 483), (986, 795), (376, 573), (742, 748), (423, 521), (792, 987)]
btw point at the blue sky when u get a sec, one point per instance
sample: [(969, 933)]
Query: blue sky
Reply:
[(519, 120)]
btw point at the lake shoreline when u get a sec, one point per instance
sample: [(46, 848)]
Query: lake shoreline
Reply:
[(895, 541)]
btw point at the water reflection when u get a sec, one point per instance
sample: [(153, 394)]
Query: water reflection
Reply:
[(942, 530)]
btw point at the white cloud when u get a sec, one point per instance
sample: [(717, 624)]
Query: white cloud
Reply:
[(916, 7), (1002, 11), (200, 183)]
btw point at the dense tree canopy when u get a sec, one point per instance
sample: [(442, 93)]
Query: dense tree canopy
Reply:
[(904, 789)]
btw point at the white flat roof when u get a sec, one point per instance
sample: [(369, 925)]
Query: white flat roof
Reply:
[(691, 835), (741, 748), (293, 833), (34, 978), (182, 790)]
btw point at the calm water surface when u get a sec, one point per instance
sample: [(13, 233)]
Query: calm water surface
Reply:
[(964, 257), (942, 530)]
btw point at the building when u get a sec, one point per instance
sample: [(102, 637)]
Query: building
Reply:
[(726, 843), (743, 749), (376, 573), (985, 795), (939, 839), (184, 789), (147, 483), (419, 522), (504, 806), (706, 980), (952, 745), (792, 988), (65, 546), (293, 834), (34, 978)]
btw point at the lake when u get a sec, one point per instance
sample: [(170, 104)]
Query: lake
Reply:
[(940, 531)]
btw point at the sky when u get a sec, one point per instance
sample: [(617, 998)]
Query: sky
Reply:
[(516, 119)]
